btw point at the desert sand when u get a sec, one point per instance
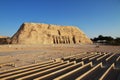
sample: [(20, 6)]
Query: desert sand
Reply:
[(12, 56)]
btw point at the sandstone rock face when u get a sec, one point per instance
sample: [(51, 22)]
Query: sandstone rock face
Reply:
[(34, 33)]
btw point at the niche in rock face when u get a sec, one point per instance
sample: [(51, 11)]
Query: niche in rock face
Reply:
[(74, 41), (59, 32)]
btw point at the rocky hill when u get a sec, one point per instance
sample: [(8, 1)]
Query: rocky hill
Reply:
[(34, 33)]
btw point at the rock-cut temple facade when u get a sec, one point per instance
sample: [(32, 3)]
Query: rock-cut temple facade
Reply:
[(34, 33)]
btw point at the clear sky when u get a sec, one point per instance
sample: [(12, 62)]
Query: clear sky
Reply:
[(94, 17)]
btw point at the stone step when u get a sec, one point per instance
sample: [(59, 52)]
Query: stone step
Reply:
[(109, 57), (102, 57), (95, 68), (70, 75), (97, 56), (57, 73), (27, 69), (107, 72), (32, 71), (45, 72), (27, 66)]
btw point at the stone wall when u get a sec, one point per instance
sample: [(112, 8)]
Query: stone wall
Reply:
[(33, 33)]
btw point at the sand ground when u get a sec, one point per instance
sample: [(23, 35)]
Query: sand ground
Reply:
[(21, 55)]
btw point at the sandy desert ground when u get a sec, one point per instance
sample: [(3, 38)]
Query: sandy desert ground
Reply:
[(12, 56)]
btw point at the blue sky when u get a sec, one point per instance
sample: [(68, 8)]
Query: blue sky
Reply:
[(94, 17)]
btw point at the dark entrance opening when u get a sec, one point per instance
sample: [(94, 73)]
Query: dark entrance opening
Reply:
[(74, 41)]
